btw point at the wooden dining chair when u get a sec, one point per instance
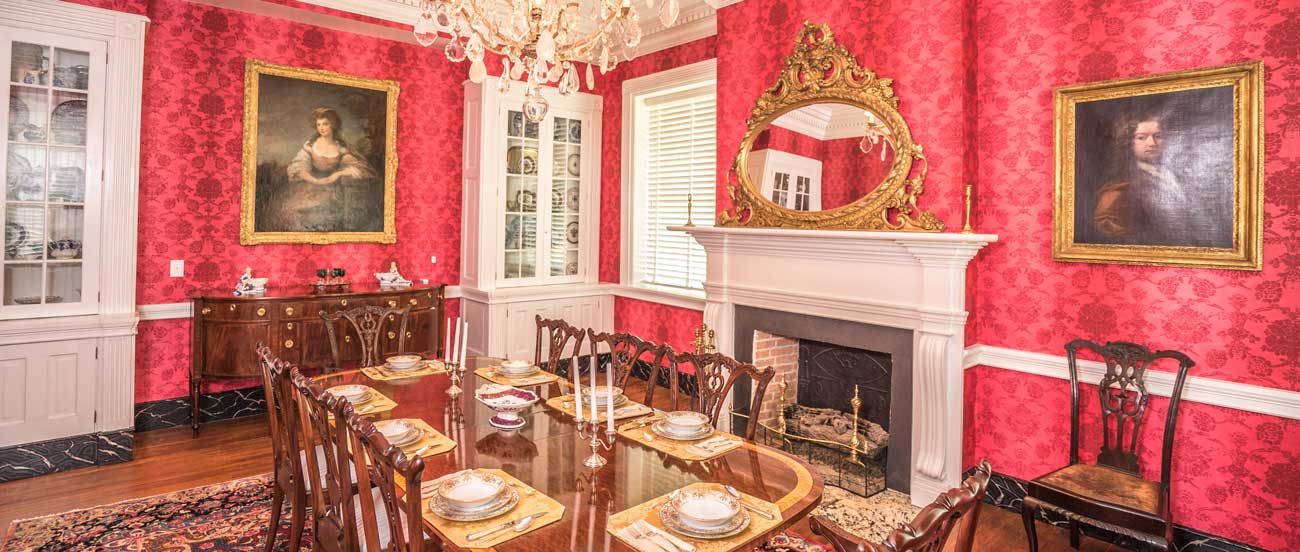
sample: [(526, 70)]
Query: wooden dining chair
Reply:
[(389, 520), (334, 519), (368, 323), (559, 335), (285, 449), (1112, 494), (955, 510), (663, 373), (716, 375), (625, 350)]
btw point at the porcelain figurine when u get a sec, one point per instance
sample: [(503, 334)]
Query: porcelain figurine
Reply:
[(248, 285), (392, 278)]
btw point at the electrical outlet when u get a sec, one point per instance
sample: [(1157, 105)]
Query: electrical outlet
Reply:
[(178, 268), (433, 259)]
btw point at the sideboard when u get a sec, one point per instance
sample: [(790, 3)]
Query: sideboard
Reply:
[(227, 329)]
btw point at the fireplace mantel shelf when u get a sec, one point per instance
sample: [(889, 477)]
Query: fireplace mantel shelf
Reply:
[(908, 280)]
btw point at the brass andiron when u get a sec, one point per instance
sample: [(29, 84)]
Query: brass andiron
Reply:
[(690, 204), (854, 443), (967, 228), (780, 412), (703, 342)]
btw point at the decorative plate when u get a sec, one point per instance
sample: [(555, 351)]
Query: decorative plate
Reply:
[(572, 198), (671, 519), (571, 232), (575, 131), (442, 508), (18, 116), (68, 122), (516, 123), (575, 164)]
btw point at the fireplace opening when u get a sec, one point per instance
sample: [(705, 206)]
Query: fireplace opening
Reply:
[(829, 405)]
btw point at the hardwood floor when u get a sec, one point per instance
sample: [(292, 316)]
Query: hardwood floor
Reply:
[(169, 460)]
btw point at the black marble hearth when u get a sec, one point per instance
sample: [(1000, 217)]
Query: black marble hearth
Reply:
[(1007, 492), (222, 405), (68, 453)]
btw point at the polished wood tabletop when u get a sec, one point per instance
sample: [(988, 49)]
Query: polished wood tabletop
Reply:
[(547, 454)]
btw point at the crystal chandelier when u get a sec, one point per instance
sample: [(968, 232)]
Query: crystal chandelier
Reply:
[(546, 40)]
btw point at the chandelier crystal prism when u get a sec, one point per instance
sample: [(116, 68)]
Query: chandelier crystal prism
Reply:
[(540, 42)]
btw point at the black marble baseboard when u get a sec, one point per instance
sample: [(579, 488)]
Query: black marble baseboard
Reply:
[(67, 453), (222, 405), (1007, 492)]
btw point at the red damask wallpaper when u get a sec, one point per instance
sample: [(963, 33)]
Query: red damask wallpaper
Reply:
[(657, 322), (191, 152)]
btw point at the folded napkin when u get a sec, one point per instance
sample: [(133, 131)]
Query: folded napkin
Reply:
[(654, 541), (713, 446)]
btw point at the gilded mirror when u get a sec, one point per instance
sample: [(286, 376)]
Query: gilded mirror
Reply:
[(827, 148)]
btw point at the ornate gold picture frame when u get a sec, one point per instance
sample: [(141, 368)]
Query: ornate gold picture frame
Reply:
[(320, 157), (821, 72), (1162, 170)]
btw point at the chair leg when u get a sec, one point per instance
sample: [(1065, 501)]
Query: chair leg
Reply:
[(277, 503), (1029, 511), (298, 513), (1074, 534)]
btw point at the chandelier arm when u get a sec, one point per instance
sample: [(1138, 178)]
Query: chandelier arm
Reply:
[(573, 47), (470, 7)]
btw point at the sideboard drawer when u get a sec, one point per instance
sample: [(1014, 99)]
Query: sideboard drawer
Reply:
[(235, 311)]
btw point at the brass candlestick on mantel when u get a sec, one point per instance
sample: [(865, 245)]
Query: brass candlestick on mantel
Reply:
[(690, 204), (967, 228), (703, 342)]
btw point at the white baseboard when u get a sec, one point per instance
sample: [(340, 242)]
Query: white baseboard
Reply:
[(1239, 396)]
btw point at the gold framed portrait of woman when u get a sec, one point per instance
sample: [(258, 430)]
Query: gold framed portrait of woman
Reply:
[(1162, 170), (320, 157)]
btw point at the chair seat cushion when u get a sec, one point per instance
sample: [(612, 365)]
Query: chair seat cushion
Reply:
[(1105, 485), (385, 534)]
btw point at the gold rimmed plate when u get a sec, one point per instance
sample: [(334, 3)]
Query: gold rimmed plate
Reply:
[(664, 429), (504, 502), (672, 519)]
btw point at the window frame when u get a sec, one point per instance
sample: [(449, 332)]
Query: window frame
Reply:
[(634, 122)]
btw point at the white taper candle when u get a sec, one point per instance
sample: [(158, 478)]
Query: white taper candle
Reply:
[(455, 345), (446, 349), (464, 345), (577, 391), (609, 404), (593, 393)]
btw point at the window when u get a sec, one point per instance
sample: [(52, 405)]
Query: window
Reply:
[(670, 161)]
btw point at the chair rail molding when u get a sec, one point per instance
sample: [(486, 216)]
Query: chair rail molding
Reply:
[(1239, 396)]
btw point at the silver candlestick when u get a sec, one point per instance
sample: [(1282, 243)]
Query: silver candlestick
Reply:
[(593, 435), (455, 370)]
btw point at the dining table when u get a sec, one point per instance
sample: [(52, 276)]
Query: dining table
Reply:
[(548, 454)]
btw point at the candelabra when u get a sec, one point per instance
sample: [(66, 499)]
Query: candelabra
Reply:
[(457, 372), (591, 430)]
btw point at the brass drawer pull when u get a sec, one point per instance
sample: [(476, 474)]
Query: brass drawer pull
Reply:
[(347, 339), (288, 344), (392, 335), (288, 326), (261, 311), (391, 318), (408, 335), (288, 311), (343, 302), (413, 301), (206, 311), (392, 303), (232, 308)]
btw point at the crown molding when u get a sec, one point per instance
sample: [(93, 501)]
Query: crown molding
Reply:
[(700, 22), (719, 4)]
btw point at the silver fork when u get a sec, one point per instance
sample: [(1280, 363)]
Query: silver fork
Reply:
[(641, 534)]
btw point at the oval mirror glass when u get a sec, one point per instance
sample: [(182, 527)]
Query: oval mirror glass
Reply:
[(821, 156)]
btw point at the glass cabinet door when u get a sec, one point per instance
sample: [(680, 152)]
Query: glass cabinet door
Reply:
[(543, 192), (51, 132)]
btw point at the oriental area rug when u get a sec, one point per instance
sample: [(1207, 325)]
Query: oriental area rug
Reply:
[(226, 517)]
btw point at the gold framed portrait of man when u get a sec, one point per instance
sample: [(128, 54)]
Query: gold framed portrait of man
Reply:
[(320, 157), (1162, 170)]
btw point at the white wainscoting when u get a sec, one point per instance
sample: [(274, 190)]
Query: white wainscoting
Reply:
[(1239, 396)]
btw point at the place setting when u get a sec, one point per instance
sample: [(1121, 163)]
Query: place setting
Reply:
[(516, 373), (684, 434), (701, 517), (363, 398), (414, 436), (407, 366), (481, 508), (624, 408)]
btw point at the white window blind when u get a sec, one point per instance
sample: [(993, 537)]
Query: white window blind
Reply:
[(680, 160)]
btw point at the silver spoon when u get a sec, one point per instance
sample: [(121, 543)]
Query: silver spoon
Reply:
[(520, 526), (733, 492)]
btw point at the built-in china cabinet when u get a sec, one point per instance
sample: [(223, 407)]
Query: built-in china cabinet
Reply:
[(71, 89), (531, 217)]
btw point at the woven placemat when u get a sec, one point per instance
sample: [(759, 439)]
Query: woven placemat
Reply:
[(630, 409), (541, 378), (649, 511), (380, 373), (530, 502), (635, 431), (381, 403)]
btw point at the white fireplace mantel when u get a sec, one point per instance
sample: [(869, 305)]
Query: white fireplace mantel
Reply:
[(909, 280)]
